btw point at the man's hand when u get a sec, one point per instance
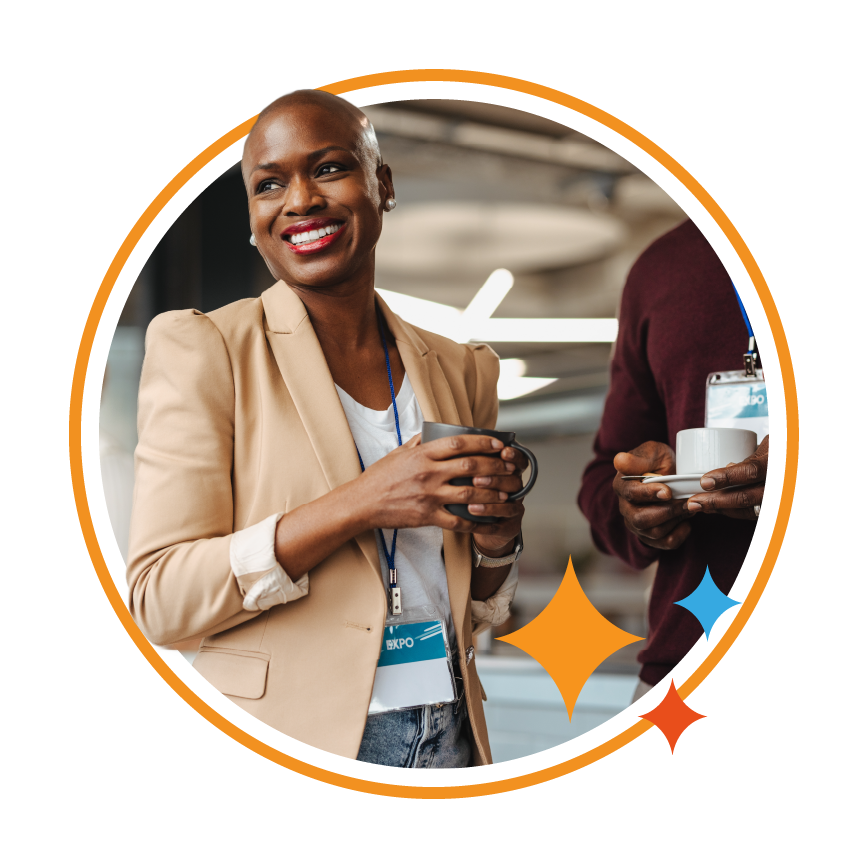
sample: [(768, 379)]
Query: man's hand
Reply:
[(648, 508), (749, 475)]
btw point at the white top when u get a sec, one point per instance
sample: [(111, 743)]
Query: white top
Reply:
[(419, 553), (419, 550)]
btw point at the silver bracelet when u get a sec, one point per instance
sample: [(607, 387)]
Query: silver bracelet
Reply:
[(481, 560)]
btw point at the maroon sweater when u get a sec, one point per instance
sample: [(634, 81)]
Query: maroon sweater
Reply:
[(679, 321)]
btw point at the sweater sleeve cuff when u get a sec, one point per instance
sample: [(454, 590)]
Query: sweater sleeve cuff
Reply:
[(495, 610), (261, 579)]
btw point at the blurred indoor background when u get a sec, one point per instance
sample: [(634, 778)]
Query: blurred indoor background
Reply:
[(528, 219)]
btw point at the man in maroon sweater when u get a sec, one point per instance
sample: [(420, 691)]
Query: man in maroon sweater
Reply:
[(679, 322)]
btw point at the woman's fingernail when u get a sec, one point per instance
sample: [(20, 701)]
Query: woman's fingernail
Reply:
[(510, 467), (476, 508), (663, 494), (496, 444), (707, 482), (481, 481), (503, 495), (693, 506)]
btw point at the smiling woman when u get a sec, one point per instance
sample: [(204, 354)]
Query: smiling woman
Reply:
[(279, 436)]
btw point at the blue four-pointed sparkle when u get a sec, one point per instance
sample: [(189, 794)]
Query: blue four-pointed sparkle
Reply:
[(707, 603)]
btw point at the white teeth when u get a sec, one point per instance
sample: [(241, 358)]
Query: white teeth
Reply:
[(314, 234)]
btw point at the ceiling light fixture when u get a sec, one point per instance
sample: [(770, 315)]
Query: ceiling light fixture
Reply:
[(513, 383), (450, 321), (484, 303)]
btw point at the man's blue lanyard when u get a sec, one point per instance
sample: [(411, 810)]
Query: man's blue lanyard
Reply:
[(394, 590), (755, 320), (751, 310)]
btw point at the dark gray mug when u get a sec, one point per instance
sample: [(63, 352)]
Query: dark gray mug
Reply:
[(437, 430)]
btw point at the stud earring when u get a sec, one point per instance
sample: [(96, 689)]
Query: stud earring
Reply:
[(252, 241), (390, 205)]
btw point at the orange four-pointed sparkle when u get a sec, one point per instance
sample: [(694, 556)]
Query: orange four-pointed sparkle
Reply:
[(672, 716), (570, 638)]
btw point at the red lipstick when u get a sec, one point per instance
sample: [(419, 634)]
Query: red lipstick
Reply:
[(312, 228)]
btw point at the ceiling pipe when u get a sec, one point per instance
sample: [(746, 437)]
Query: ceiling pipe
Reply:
[(496, 140)]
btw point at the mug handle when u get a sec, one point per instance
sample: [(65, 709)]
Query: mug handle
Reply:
[(533, 472)]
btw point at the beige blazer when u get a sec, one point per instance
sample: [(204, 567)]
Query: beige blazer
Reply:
[(239, 419)]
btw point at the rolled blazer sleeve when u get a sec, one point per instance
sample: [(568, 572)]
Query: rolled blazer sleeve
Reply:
[(180, 572), (255, 566), (495, 610)]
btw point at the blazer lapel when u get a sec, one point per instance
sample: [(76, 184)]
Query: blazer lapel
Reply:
[(438, 405), (306, 374), (421, 364), (417, 359)]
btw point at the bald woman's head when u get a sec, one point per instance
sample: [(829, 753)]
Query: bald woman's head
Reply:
[(311, 165), (295, 108)]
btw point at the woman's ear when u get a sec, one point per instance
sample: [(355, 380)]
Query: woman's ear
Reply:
[(387, 188)]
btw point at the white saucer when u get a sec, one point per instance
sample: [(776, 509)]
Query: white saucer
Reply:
[(682, 487)]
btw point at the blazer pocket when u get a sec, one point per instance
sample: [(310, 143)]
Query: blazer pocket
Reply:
[(235, 673)]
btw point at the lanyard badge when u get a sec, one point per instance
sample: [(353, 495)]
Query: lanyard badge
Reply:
[(738, 399), (745, 398), (414, 668), (734, 399)]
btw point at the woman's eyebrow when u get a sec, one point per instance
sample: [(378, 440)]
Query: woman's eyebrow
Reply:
[(315, 155), (312, 157)]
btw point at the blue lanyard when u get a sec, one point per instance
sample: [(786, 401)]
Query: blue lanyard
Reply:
[(395, 595), (751, 310), (755, 320)]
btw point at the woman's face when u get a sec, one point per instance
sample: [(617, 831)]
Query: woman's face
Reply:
[(315, 195)]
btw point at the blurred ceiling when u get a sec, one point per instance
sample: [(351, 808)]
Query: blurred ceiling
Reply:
[(493, 115), (482, 187), (474, 237)]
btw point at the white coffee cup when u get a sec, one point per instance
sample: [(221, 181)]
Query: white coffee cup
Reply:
[(698, 450)]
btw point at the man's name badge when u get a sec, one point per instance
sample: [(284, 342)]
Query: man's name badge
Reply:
[(735, 400), (413, 669)]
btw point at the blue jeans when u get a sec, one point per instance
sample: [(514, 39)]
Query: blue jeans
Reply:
[(430, 737)]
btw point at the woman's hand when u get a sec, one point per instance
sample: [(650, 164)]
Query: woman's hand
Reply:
[(410, 486), (648, 509), (498, 539), (749, 475)]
